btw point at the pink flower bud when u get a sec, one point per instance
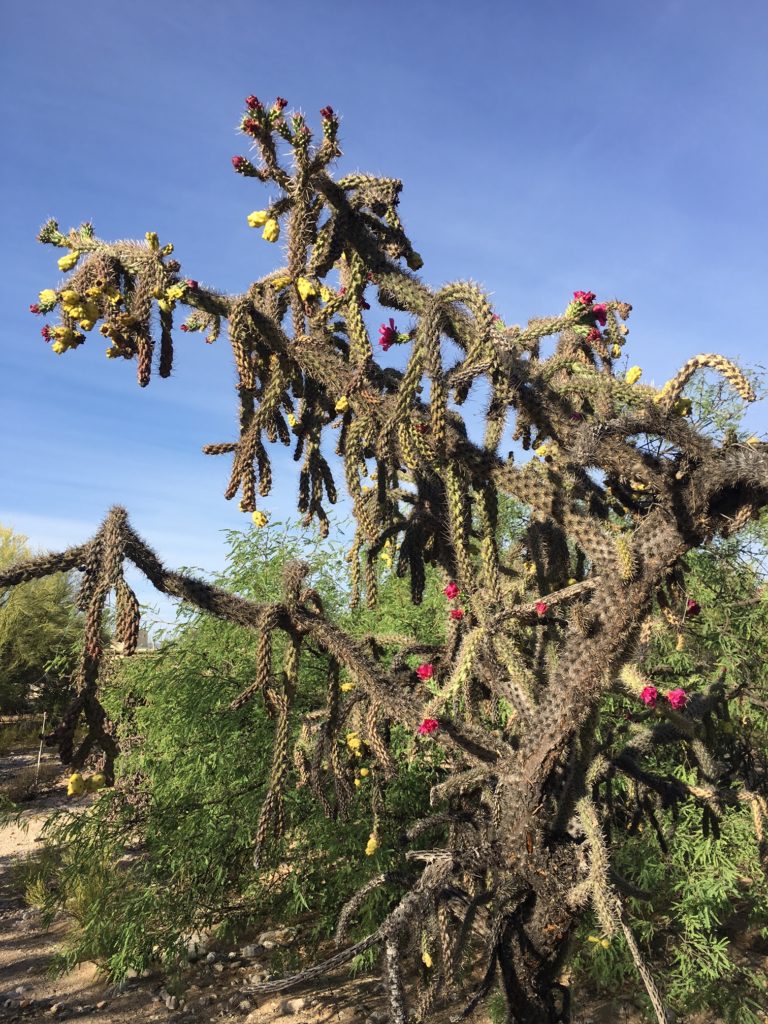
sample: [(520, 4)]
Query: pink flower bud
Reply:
[(425, 671), (692, 607), (326, 113), (600, 311), (34, 308), (585, 298), (388, 334), (677, 698), (451, 591), (541, 608), (456, 613), (280, 103), (184, 328), (253, 102), (649, 695), (428, 726), (594, 334), (191, 284), (46, 332)]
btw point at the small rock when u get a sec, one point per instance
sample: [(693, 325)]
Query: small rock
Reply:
[(250, 951), (245, 1005), (294, 1005), (171, 1003), (10, 1004), (211, 957), (102, 1005), (57, 1008), (218, 968), (278, 937), (21, 990), (257, 977)]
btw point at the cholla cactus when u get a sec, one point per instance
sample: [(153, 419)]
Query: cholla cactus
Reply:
[(619, 487)]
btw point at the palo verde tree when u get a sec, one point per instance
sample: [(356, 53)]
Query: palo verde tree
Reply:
[(620, 487)]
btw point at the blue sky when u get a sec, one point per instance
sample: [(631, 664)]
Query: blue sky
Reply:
[(545, 147)]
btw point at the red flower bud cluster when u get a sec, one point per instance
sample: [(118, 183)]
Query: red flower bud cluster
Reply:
[(253, 103), (34, 308), (428, 726)]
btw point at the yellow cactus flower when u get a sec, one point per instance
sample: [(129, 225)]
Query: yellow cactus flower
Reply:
[(176, 291), (259, 518), (69, 296), (76, 785), (96, 782), (353, 742), (58, 347), (87, 325), (292, 421), (638, 485), (593, 938), (615, 351), (605, 943), (342, 405), (426, 959), (257, 219), (325, 293), (358, 783), (152, 240), (633, 375), (571, 581), (372, 845), (306, 288), (364, 772), (753, 440), (47, 297), (346, 687), (271, 231), (282, 281), (68, 261)]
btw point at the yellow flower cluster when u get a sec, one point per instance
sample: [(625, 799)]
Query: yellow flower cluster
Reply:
[(372, 845), (292, 421), (78, 784), (342, 405), (633, 375), (355, 744), (307, 289), (168, 297), (69, 261), (605, 943), (346, 687), (260, 518), (66, 339), (47, 299), (80, 307), (261, 219)]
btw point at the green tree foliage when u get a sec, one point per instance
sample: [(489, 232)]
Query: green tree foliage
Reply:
[(39, 630)]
